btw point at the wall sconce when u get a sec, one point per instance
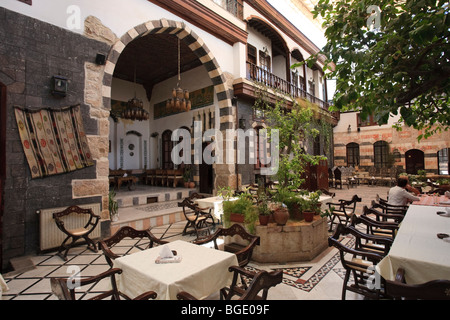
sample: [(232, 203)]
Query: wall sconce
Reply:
[(59, 86), (349, 129), (242, 123)]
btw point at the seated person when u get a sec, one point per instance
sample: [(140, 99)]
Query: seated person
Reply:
[(399, 195)]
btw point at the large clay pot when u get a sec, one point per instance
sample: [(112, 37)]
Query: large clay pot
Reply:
[(264, 220), (237, 217), (281, 216), (309, 215)]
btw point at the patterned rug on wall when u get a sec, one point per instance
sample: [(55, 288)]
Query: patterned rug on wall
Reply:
[(54, 140)]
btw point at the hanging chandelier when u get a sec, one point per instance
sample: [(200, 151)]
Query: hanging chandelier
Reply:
[(134, 109), (180, 98)]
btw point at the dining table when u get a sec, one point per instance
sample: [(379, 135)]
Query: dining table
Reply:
[(201, 271), (417, 248), (214, 203), (432, 200)]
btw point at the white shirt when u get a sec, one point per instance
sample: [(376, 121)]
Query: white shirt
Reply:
[(399, 196)]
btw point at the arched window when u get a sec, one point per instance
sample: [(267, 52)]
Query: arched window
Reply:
[(381, 154), (353, 154), (414, 161), (443, 161), (167, 146)]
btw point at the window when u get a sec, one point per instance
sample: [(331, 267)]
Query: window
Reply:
[(316, 145), (251, 62), (264, 61), (381, 154), (312, 88), (258, 164), (365, 123), (443, 161), (353, 154)]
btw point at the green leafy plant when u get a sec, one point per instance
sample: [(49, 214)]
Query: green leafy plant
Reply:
[(225, 192), (242, 205), (113, 206), (311, 202)]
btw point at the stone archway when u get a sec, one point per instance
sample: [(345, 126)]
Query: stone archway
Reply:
[(225, 174)]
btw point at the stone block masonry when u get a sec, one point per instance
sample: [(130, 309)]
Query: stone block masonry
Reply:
[(31, 52)]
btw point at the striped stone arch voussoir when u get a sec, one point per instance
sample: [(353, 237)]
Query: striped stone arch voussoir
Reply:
[(185, 34)]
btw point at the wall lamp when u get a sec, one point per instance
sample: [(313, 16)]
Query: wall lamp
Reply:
[(59, 86)]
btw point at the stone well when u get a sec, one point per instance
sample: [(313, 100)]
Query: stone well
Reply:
[(296, 241)]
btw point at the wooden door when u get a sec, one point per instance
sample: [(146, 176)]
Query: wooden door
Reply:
[(415, 160), (206, 175)]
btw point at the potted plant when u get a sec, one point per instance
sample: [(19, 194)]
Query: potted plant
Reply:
[(241, 210), (310, 205), (186, 176), (113, 206), (234, 210), (263, 209)]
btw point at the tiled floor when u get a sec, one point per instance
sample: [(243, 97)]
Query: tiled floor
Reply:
[(320, 279)]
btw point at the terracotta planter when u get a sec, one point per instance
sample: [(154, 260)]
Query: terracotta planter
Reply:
[(191, 184), (264, 219), (237, 217), (309, 215), (186, 184), (281, 216)]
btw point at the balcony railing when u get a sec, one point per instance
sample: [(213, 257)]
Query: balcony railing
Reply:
[(258, 74), (234, 7)]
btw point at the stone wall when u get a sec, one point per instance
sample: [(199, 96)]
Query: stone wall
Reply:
[(398, 140), (31, 52)]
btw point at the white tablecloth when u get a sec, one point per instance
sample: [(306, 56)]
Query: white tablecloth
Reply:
[(201, 272), (417, 249)]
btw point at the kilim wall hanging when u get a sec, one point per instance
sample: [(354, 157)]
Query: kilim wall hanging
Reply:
[(54, 141)]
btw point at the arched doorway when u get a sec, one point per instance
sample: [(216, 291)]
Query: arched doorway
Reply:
[(2, 161), (189, 41), (415, 161)]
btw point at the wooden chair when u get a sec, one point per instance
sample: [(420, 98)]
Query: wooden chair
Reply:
[(174, 177), (389, 216), (243, 251), (160, 177), (369, 242), (337, 178), (106, 245), (78, 232), (357, 263), (431, 290), (195, 218), (376, 227), (260, 281), (64, 288), (343, 210)]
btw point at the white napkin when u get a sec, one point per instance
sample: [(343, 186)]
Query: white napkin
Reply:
[(165, 252)]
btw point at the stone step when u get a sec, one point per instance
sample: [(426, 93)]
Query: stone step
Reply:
[(148, 216)]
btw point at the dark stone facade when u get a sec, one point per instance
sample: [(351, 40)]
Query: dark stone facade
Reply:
[(31, 52)]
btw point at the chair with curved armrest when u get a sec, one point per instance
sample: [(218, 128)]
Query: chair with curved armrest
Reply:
[(64, 288), (343, 210), (196, 218), (431, 290), (77, 232), (357, 263), (243, 252), (260, 281), (106, 245)]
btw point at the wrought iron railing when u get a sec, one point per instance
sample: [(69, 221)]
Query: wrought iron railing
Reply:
[(258, 74)]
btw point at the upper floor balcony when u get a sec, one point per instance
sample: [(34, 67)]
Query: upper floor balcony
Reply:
[(272, 81)]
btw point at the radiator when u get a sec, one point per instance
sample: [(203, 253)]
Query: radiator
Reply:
[(50, 237)]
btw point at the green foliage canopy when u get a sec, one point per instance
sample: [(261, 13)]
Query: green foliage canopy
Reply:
[(401, 67)]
